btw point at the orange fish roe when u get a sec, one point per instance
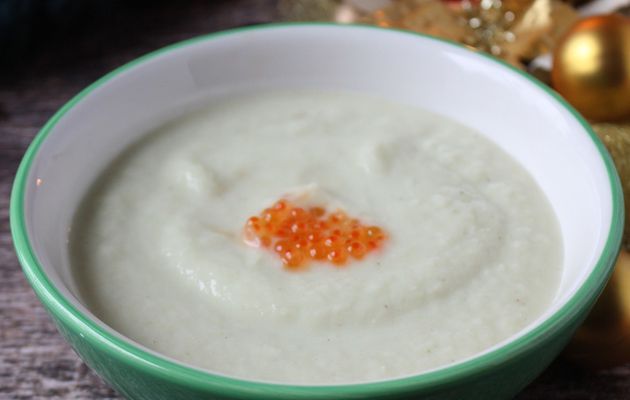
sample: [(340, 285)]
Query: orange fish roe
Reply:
[(300, 235)]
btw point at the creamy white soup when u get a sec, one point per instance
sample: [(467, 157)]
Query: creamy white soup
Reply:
[(472, 253)]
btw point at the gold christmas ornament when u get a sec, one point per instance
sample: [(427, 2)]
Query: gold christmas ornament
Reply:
[(591, 67), (604, 339)]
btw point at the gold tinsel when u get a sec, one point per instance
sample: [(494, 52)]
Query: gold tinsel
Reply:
[(429, 17), (616, 137), (515, 30)]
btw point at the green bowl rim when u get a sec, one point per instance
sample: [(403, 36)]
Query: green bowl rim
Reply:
[(199, 379)]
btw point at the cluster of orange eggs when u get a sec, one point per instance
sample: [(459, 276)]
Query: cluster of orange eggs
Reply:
[(299, 235)]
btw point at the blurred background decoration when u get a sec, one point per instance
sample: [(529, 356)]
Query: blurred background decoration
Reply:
[(591, 67), (515, 30)]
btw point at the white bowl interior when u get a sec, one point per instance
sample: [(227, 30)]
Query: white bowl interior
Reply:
[(506, 107)]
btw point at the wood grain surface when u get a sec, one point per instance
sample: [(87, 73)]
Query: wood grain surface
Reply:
[(35, 363)]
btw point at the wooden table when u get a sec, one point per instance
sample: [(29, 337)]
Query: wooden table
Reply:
[(35, 363)]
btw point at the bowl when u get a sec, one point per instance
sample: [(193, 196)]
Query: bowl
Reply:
[(526, 119)]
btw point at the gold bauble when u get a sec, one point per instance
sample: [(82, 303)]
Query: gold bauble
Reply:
[(604, 339), (592, 67)]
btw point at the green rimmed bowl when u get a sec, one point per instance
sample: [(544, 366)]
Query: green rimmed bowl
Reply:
[(523, 117)]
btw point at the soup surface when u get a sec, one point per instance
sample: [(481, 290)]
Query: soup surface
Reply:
[(472, 252)]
